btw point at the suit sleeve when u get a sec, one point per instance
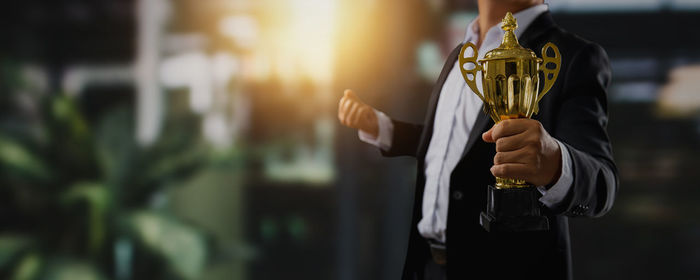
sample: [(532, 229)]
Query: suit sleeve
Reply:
[(405, 139), (582, 127)]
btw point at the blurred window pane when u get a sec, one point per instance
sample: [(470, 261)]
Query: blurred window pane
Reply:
[(605, 5)]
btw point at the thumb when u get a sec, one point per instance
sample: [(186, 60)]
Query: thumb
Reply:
[(349, 93), (488, 136)]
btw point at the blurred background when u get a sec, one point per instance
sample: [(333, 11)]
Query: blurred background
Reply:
[(189, 139)]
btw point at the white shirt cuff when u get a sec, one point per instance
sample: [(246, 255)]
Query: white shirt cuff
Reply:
[(386, 132), (556, 193)]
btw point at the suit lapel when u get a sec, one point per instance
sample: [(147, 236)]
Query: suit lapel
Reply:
[(480, 126), (538, 27)]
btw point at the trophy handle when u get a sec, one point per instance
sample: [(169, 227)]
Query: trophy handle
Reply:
[(553, 72), (463, 61)]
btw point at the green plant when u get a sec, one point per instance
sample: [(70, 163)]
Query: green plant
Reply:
[(79, 198)]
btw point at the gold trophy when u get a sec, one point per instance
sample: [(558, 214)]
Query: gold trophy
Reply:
[(510, 80)]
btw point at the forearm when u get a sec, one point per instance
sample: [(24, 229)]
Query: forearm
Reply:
[(581, 127), (594, 186), (405, 139), (553, 196), (395, 138), (385, 135)]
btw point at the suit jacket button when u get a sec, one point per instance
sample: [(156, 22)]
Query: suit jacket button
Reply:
[(457, 195)]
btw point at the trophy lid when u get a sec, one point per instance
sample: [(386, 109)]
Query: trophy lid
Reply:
[(509, 48)]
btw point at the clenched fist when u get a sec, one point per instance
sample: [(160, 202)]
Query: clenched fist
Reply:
[(524, 150), (352, 112)]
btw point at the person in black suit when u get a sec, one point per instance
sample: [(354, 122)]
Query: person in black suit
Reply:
[(565, 149)]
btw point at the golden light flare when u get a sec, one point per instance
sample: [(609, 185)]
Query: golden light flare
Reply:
[(298, 36)]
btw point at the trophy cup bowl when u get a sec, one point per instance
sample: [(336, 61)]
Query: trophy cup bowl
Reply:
[(510, 81)]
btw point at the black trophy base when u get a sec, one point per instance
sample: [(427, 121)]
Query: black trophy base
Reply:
[(513, 210)]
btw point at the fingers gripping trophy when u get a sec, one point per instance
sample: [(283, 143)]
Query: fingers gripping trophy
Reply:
[(510, 81)]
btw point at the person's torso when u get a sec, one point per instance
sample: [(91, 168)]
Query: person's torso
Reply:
[(469, 246)]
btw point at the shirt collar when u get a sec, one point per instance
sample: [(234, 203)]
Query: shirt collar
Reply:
[(495, 33)]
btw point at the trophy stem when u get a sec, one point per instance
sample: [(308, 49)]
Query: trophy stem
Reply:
[(507, 183)]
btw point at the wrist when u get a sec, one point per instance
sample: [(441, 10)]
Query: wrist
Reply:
[(557, 160), (371, 127), (372, 130)]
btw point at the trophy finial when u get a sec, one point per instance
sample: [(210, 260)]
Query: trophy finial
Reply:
[(509, 23)]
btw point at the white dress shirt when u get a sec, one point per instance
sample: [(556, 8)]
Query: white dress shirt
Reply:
[(456, 113)]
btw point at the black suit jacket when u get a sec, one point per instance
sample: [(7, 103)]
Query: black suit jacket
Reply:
[(575, 113)]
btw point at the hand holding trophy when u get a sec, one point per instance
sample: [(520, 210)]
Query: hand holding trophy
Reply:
[(510, 82)]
